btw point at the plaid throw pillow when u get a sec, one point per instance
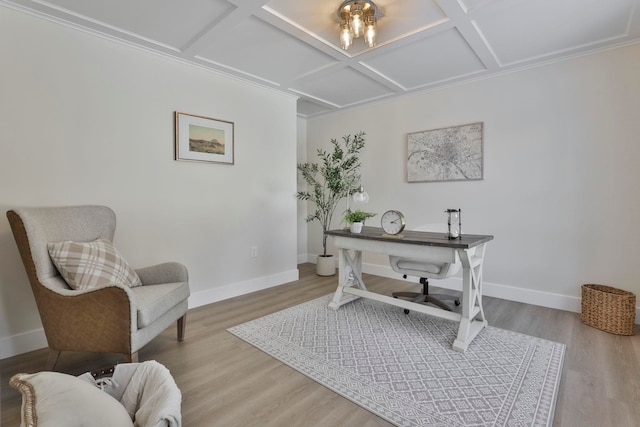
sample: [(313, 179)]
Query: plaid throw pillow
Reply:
[(91, 264)]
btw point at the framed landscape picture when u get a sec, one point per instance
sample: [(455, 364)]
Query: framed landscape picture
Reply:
[(203, 139), (447, 154)]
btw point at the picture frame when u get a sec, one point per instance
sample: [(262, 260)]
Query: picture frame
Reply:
[(446, 154), (203, 139)]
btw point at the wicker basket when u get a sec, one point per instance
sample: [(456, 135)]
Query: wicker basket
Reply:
[(608, 309)]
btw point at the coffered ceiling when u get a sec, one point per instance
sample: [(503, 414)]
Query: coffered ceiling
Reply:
[(293, 46)]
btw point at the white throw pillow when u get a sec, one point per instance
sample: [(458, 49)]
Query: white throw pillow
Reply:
[(52, 399), (86, 265)]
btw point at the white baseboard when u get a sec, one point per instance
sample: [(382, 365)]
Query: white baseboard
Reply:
[(506, 292), (34, 340), (510, 293), (241, 288), (22, 343), (545, 299)]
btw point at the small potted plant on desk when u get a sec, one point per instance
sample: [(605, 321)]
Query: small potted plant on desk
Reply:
[(356, 219)]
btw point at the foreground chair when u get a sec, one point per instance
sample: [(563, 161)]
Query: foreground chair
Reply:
[(109, 319), (128, 394)]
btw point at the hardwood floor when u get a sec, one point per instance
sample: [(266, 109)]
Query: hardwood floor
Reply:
[(227, 382)]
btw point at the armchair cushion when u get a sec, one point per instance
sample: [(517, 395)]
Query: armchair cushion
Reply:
[(86, 265), (54, 399), (154, 301)]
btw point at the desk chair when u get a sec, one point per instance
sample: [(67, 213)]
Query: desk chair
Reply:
[(425, 270)]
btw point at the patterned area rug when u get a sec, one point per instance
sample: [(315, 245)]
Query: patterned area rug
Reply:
[(402, 368)]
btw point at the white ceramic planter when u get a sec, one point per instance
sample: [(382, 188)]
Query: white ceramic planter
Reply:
[(325, 265), (356, 227)]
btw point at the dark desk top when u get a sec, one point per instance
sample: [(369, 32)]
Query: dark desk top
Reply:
[(415, 237)]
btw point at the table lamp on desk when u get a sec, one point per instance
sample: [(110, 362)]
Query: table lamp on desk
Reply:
[(358, 196)]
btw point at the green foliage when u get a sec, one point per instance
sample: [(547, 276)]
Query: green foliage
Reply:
[(335, 175), (357, 216)]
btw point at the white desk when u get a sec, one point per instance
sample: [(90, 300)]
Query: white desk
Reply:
[(418, 245)]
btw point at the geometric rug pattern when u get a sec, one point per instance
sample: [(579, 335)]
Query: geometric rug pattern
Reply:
[(402, 368)]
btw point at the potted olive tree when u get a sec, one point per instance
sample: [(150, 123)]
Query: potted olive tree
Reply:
[(334, 177), (356, 219)]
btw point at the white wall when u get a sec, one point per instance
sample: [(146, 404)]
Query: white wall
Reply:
[(84, 119), (561, 173), (302, 206)]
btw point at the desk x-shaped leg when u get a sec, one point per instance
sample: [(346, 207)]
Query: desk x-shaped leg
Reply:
[(473, 319), (350, 270)]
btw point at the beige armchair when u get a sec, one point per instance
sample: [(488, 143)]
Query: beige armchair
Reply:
[(109, 319)]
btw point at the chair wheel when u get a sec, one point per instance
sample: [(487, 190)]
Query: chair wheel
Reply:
[(457, 302), (406, 311)]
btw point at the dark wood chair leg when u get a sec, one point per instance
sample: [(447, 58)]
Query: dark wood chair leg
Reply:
[(182, 326), (52, 359)]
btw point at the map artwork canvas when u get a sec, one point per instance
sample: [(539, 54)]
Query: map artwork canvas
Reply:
[(447, 154)]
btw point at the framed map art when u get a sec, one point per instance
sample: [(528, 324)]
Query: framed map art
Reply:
[(446, 154)]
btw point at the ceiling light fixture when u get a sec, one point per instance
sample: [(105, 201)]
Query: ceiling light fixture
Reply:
[(358, 18)]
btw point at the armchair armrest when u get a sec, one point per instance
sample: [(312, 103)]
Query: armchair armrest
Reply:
[(168, 272), (99, 320)]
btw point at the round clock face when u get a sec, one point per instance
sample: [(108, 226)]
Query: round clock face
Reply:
[(393, 222)]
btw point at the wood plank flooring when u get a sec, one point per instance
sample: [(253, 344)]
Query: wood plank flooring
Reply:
[(226, 382)]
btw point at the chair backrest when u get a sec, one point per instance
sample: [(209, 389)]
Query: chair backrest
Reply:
[(425, 268), (34, 227)]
